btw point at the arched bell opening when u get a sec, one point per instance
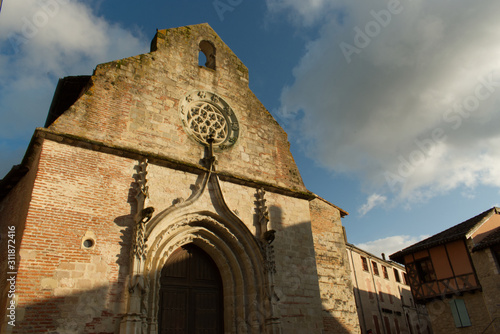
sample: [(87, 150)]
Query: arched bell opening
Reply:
[(206, 55)]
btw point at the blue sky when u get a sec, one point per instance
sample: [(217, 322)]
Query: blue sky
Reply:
[(392, 107)]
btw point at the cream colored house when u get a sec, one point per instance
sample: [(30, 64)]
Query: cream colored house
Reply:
[(383, 297)]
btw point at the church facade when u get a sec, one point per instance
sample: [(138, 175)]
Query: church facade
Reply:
[(162, 197)]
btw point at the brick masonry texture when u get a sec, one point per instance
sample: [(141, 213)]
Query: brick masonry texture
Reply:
[(13, 210), (89, 191), (84, 189)]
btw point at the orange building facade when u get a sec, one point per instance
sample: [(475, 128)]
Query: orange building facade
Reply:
[(455, 273)]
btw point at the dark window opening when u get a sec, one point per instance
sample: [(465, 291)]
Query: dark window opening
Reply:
[(365, 263), (387, 325), (207, 54), (425, 270), (377, 326), (375, 268), (384, 271), (88, 243), (396, 276)]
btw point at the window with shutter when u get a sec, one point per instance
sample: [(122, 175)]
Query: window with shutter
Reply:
[(459, 312)]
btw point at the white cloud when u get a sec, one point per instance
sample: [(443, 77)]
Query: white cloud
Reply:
[(372, 201), (390, 245), (306, 12), (413, 109), (41, 41)]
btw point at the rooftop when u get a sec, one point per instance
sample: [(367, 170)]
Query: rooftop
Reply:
[(456, 232)]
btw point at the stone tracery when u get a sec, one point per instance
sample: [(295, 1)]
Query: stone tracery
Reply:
[(206, 115), (204, 120)]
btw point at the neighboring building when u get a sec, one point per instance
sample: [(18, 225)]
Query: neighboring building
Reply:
[(383, 298), (162, 196), (456, 274)]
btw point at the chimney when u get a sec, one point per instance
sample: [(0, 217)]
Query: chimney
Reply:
[(383, 257)]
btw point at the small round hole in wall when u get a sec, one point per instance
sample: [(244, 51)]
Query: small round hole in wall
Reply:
[(88, 243)]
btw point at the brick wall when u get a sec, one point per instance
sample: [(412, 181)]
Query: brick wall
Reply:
[(81, 193), (13, 210), (61, 285)]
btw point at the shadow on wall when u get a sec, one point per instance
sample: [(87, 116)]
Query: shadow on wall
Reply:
[(296, 290), (99, 310), (79, 304), (90, 311), (383, 313)]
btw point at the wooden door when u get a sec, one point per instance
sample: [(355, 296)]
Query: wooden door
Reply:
[(190, 294)]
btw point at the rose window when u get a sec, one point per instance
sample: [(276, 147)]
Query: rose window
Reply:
[(206, 115), (206, 120)]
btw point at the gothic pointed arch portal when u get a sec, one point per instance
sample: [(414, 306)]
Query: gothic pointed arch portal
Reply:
[(236, 256), (190, 293), (215, 229)]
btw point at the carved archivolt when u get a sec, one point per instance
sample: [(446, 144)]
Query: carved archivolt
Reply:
[(240, 264), (193, 220), (193, 224), (242, 258)]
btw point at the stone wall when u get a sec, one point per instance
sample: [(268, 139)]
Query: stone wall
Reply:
[(488, 273), (339, 309), (296, 279), (442, 318), (135, 102)]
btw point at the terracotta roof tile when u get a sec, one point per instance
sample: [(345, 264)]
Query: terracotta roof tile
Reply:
[(492, 239), (456, 232)]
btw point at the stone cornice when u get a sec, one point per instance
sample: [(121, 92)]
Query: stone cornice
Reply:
[(157, 159)]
